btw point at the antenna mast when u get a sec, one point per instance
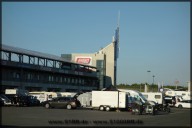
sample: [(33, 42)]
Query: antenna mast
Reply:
[(118, 19)]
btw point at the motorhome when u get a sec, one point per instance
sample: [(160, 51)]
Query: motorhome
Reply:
[(185, 95), (154, 96), (44, 96)]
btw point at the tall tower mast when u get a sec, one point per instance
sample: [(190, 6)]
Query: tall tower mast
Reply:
[(116, 49)]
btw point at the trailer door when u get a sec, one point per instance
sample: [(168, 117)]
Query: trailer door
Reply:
[(122, 99)]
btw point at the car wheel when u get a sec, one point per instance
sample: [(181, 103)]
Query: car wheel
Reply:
[(69, 106), (101, 108), (47, 105), (180, 106), (107, 108)]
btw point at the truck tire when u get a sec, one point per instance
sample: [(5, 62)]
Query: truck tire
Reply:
[(47, 105), (101, 108), (69, 106), (107, 108), (180, 106)]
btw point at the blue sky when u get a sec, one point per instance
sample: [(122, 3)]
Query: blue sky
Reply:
[(154, 36)]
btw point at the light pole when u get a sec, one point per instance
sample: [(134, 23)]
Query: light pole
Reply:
[(153, 82), (148, 75), (153, 79)]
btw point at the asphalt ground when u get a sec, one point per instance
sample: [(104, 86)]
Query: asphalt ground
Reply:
[(40, 116)]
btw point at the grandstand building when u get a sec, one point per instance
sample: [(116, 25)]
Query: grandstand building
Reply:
[(35, 71)]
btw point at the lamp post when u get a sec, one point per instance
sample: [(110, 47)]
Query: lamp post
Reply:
[(148, 75), (153, 79), (153, 82)]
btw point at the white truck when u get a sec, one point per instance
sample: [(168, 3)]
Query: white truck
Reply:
[(134, 95), (139, 104), (107, 100)]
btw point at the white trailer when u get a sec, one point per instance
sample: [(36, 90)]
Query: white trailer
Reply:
[(154, 96), (106, 100)]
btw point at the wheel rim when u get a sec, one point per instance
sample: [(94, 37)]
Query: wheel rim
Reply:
[(107, 108), (101, 108), (68, 106), (47, 105)]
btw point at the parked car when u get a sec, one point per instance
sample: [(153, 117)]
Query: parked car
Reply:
[(19, 100), (1, 102), (62, 102), (6, 101), (33, 101), (184, 104)]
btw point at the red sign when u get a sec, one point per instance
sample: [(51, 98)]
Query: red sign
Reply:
[(83, 60)]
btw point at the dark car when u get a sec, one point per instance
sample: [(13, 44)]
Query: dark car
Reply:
[(6, 101), (33, 101), (1, 102), (62, 102), (19, 100)]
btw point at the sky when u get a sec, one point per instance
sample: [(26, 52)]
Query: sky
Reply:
[(154, 36)]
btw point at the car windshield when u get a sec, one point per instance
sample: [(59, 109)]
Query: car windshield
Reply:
[(4, 97), (142, 97)]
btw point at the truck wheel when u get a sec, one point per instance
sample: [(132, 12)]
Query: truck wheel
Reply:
[(133, 111), (107, 108), (47, 105), (180, 106), (101, 108), (69, 106)]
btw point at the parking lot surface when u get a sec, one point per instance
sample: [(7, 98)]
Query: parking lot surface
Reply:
[(40, 116)]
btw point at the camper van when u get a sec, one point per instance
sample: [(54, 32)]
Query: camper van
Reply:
[(154, 96), (44, 96)]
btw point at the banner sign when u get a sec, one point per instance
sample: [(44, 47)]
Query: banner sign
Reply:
[(84, 60)]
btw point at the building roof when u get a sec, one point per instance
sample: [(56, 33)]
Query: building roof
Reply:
[(36, 54)]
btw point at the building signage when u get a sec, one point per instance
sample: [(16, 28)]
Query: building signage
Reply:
[(84, 60)]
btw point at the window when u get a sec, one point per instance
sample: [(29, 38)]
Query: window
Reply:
[(157, 96), (146, 96)]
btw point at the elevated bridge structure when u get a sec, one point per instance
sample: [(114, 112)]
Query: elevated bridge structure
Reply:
[(36, 71)]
